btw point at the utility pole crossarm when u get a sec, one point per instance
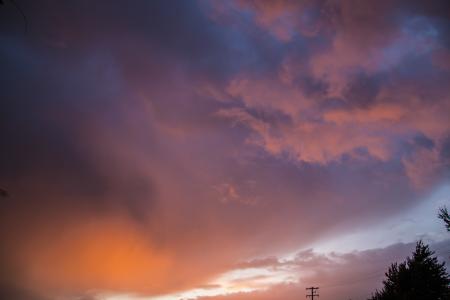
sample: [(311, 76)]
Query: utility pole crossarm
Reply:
[(313, 292)]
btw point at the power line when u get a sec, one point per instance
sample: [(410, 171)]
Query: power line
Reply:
[(19, 9), (369, 276)]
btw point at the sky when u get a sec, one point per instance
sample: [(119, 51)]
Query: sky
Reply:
[(220, 150)]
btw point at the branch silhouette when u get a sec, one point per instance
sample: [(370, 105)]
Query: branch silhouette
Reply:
[(444, 216)]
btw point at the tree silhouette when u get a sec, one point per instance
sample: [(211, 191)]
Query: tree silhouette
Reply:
[(419, 277), (443, 214)]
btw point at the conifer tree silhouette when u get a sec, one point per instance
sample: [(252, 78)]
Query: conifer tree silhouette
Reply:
[(421, 276)]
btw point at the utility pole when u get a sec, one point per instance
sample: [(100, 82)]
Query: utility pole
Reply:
[(313, 292)]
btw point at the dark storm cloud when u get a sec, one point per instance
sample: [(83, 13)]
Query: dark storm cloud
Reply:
[(45, 115), (46, 108), (178, 30)]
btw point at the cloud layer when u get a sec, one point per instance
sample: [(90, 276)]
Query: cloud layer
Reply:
[(148, 148)]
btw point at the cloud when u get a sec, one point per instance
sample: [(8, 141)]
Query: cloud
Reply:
[(260, 263), (339, 275), (366, 100), (8, 292), (150, 147)]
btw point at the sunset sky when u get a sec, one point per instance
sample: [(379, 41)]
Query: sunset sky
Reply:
[(220, 150)]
